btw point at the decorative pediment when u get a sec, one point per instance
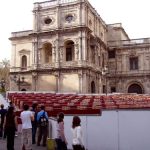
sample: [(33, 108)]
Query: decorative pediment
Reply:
[(132, 53), (24, 51)]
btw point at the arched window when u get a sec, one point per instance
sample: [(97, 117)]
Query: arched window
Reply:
[(93, 87), (135, 88), (24, 62), (47, 53), (69, 45), (23, 90)]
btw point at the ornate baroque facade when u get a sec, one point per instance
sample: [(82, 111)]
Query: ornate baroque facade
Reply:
[(70, 48)]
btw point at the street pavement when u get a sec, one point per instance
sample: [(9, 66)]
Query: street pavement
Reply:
[(18, 144), (18, 138)]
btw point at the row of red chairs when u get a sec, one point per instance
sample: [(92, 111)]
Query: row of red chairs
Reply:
[(81, 102)]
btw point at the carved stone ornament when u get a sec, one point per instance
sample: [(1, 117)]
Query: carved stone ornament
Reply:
[(24, 51), (54, 43), (132, 53), (61, 48)]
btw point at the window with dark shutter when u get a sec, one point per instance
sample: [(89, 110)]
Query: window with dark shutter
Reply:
[(133, 63), (111, 54)]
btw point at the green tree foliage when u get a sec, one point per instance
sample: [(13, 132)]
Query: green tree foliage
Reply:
[(4, 74)]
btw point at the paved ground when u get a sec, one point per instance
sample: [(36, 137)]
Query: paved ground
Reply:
[(18, 144), (18, 138)]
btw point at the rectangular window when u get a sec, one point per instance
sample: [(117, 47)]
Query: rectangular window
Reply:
[(68, 54), (112, 54), (103, 61), (113, 89), (104, 89), (133, 63), (99, 60)]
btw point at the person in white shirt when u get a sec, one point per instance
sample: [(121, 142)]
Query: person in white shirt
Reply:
[(77, 141), (26, 117)]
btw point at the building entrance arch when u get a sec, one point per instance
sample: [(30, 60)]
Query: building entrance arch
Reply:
[(135, 88)]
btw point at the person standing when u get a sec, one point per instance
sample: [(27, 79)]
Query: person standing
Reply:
[(2, 114), (26, 118), (61, 139), (42, 120), (34, 123), (10, 126), (77, 142)]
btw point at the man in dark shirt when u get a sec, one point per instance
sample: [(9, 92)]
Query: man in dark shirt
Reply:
[(2, 114), (34, 123)]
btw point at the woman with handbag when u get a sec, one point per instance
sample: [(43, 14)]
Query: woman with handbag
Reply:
[(77, 142)]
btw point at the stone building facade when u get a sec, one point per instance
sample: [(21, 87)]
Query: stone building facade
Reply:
[(71, 49)]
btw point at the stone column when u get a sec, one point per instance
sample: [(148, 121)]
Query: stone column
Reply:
[(99, 85), (57, 53), (36, 25), (34, 81), (61, 52), (13, 55), (80, 46), (84, 46), (80, 82), (53, 54), (57, 76), (34, 54), (96, 55), (57, 82), (84, 83), (76, 49)]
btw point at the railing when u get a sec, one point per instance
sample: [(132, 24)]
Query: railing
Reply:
[(57, 65), (19, 69), (68, 65), (117, 25), (128, 73), (52, 3), (21, 33), (129, 42), (46, 66)]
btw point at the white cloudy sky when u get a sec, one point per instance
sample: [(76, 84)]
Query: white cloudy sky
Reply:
[(16, 15)]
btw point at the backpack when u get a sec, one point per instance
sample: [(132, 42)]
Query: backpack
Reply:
[(43, 122)]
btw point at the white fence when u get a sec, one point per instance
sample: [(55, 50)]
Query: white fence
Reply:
[(114, 130)]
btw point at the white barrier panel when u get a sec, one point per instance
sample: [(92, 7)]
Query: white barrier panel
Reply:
[(114, 130)]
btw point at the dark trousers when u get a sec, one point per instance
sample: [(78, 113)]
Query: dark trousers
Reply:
[(61, 145), (2, 132), (42, 133), (78, 147), (10, 134), (34, 128)]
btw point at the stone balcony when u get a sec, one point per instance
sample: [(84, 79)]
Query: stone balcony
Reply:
[(113, 73), (21, 33), (67, 65), (132, 42), (58, 65), (51, 3)]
